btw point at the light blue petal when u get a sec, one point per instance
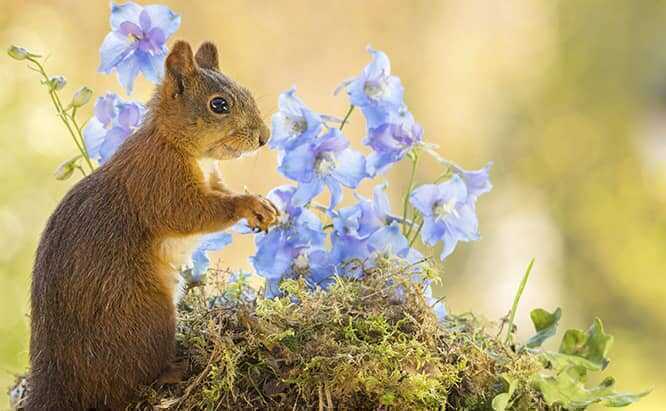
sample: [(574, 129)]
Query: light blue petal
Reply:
[(164, 18), (380, 201), (124, 12), (350, 168), (336, 192), (114, 49), (424, 197), (93, 137), (113, 139), (453, 189), (306, 192), (378, 163), (200, 263), (433, 231), (465, 224), (152, 66), (273, 257), (298, 164), (389, 240), (215, 241), (128, 69), (478, 182), (450, 242)]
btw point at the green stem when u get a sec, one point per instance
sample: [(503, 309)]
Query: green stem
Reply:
[(62, 114), (86, 155), (344, 120), (410, 186), (416, 233), (516, 299)]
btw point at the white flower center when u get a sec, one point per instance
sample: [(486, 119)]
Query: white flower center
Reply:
[(325, 163), (375, 89), (443, 209), (297, 125), (301, 262)]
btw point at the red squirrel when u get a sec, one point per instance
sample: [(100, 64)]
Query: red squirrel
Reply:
[(102, 311)]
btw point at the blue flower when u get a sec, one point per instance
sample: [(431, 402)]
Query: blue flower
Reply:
[(294, 123), (448, 216), (375, 90), (279, 249), (392, 140), (209, 242), (365, 217), (113, 122), (325, 161), (477, 182), (136, 42)]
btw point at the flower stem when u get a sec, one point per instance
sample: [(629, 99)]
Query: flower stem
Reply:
[(62, 114), (516, 299), (410, 186), (416, 233), (344, 120)]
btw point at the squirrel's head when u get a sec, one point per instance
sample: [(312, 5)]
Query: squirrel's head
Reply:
[(203, 109)]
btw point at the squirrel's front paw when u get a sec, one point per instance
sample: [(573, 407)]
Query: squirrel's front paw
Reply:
[(259, 212)]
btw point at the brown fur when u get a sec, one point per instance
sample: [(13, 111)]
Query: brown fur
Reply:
[(103, 318)]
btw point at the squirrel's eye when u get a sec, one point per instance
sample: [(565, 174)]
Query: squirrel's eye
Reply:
[(219, 105)]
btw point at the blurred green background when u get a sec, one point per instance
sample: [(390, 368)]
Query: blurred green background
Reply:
[(567, 97)]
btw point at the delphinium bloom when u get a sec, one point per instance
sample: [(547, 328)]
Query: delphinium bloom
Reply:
[(210, 242), (448, 214), (294, 123), (477, 182), (288, 243), (391, 129), (137, 41), (375, 91), (113, 121), (323, 161)]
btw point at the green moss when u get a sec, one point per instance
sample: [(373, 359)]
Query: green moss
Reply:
[(354, 347)]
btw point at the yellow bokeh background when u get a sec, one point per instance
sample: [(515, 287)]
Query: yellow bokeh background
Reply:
[(568, 98)]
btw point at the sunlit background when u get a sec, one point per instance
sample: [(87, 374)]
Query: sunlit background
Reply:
[(568, 98)]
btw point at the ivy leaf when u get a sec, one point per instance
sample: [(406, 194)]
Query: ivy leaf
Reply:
[(592, 345), (545, 324), (568, 391), (501, 401)]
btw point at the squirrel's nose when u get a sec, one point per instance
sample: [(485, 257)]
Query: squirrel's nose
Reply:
[(264, 135)]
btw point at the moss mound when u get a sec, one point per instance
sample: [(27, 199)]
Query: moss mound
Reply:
[(369, 344)]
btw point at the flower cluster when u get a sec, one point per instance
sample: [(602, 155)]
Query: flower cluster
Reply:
[(319, 243), (113, 122), (137, 42)]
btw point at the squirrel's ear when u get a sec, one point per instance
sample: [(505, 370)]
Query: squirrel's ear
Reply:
[(179, 65), (206, 56)]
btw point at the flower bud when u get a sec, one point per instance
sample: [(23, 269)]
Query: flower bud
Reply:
[(81, 97), (55, 83), (66, 169), (20, 53)]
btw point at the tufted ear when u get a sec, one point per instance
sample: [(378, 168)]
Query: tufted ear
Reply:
[(179, 65), (207, 57)]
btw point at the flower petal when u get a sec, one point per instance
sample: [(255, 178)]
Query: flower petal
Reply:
[(424, 197), (350, 168), (164, 18), (114, 49), (124, 12), (306, 192)]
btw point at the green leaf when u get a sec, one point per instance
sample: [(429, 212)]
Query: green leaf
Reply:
[(545, 324), (592, 345), (501, 401), (568, 391)]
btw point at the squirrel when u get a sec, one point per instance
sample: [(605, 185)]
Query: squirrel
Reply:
[(103, 319)]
